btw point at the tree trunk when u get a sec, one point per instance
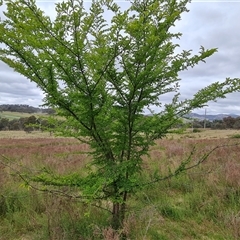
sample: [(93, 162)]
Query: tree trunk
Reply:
[(118, 215), (116, 221)]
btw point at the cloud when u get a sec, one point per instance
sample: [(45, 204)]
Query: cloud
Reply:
[(212, 25), (16, 89)]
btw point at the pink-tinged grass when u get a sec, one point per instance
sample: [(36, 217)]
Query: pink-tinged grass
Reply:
[(203, 203)]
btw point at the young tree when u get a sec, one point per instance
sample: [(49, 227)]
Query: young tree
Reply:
[(101, 75)]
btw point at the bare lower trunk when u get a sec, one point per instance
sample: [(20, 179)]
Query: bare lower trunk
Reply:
[(118, 213), (116, 221)]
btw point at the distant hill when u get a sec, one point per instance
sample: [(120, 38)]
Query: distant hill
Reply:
[(21, 108), (210, 117)]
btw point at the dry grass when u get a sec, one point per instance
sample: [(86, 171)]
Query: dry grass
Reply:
[(60, 154), (205, 134), (24, 135), (205, 198)]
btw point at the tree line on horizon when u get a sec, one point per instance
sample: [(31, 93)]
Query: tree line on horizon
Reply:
[(33, 123), (27, 124), (24, 108), (225, 123)]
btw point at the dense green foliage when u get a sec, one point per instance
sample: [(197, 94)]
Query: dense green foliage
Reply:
[(101, 76)]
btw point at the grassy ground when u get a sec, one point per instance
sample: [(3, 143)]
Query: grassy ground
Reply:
[(24, 135), (205, 134), (203, 203), (202, 134), (13, 115)]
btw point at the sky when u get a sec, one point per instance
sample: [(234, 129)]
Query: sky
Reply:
[(212, 24)]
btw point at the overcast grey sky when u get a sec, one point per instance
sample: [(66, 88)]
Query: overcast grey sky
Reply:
[(212, 24)]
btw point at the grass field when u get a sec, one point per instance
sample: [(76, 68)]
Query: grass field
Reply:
[(23, 134), (203, 203), (203, 134), (14, 115)]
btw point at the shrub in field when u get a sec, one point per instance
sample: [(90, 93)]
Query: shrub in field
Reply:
[(196, 130), (235, 136)]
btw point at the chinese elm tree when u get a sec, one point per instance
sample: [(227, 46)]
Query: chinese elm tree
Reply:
[(101, 68)]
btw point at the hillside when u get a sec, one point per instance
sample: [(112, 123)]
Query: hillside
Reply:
[(16, 115), (21, 108)]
